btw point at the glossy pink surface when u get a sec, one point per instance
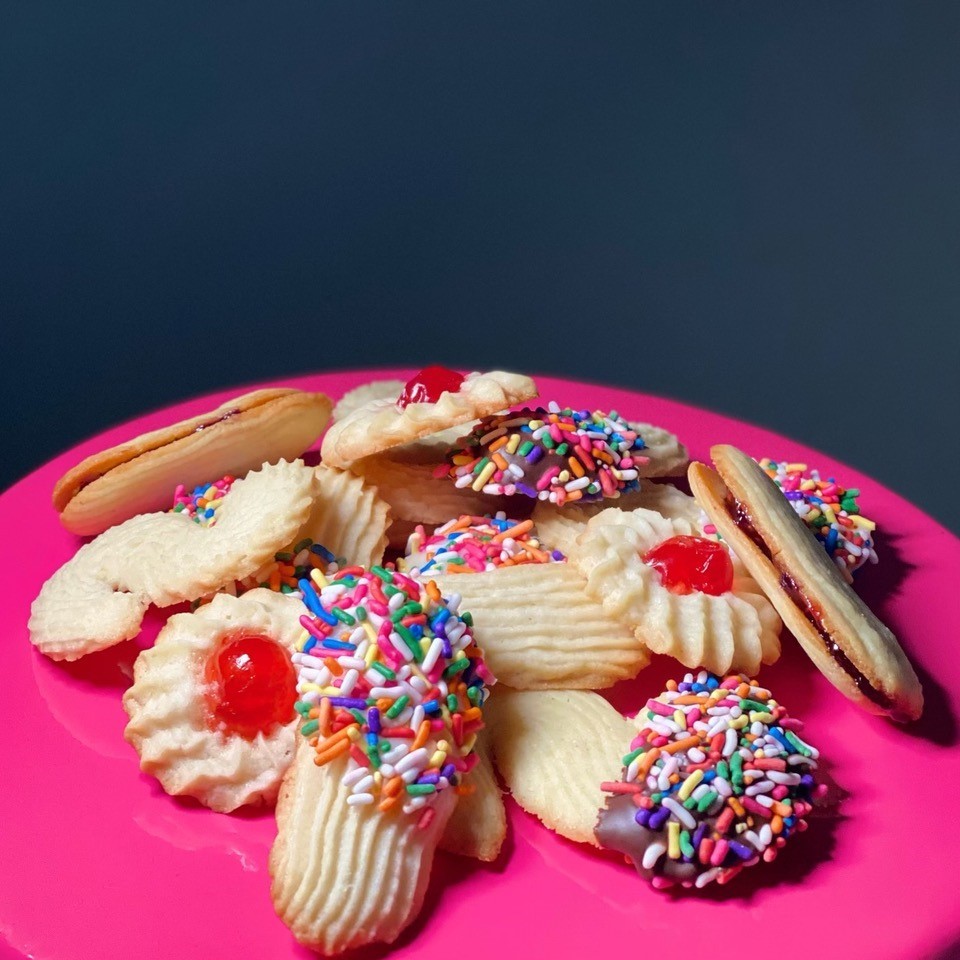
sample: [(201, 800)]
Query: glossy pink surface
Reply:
[(97, 863)]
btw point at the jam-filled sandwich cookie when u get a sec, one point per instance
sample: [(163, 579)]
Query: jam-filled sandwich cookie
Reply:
[(99, 597), (136, 477), (683, 594), (392, 689), (717, 779), (535, 621), (212, 703), (853, 649), (434, 400)]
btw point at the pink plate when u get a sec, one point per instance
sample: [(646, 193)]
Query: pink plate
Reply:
[(97, 863)]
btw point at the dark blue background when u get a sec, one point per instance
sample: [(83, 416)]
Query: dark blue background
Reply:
[(752, 207)]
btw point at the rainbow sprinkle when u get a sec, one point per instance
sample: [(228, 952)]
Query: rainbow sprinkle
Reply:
[(473, 545), (830, 510), (716, 780), (202, 502), (389, 675), (560, 455)]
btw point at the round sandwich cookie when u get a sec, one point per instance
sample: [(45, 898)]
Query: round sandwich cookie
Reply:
[(136, 477), (847, 642)]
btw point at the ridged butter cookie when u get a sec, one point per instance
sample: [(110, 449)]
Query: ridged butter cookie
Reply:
[(211, 706), (98, 598), (439, 400)]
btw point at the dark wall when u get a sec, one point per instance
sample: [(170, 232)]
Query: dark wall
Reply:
[(751, 207)]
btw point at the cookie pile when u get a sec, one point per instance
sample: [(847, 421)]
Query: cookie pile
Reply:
[(372, 638)]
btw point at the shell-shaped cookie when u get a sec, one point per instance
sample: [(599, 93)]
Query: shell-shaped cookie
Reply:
[(478, 826), (98, 598), (539, 628), (381, 424), (737, 630), (345, 876), (169, 726), (560, 526), (667, 456), (553, 749)]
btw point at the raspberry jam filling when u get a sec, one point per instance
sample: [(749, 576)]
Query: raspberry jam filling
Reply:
[(251, 685), (428, 384), (692, 564)]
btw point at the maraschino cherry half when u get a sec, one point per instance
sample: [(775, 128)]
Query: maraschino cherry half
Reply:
[(251, 685), (692, 564), (427, 385)]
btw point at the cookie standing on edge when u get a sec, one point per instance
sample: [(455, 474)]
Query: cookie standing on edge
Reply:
[(855, 651)]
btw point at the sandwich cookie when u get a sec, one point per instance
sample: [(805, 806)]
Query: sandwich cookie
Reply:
[(849, 644), (136, 477)]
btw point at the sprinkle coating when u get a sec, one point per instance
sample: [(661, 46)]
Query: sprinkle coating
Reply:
[(716, 780), (475, 544), (201, 502), (829, 509), (388, 673), (556, 454)]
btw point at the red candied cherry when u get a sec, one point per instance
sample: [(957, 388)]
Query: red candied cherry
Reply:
[(428, 384), (688, 564), (251, 685)]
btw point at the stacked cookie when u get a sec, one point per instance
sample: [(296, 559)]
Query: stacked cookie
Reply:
[(349, 621)]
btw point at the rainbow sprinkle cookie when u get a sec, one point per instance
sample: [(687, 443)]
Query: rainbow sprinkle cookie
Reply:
[(716, 780), (288, 567), (829, 510), (475, 544), (560, 455), (388, 673)]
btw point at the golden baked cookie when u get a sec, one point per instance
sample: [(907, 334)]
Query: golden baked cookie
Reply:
[(381, 424), (725, 626), (206, 735), (135, 477), (99, 596), (845, 639), (553, 749)]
